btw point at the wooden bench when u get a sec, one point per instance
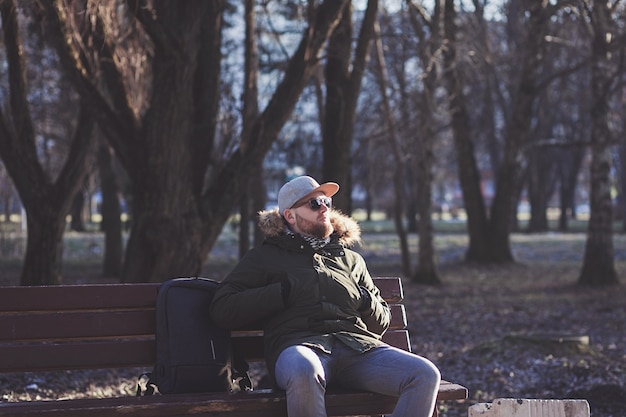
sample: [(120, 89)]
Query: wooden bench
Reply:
[(112, 326)]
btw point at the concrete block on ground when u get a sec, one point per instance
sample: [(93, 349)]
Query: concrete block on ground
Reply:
[(518, 407)]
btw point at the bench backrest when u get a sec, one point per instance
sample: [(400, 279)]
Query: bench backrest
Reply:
[(112, 326)]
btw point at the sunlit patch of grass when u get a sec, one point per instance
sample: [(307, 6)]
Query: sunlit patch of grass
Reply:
[(380, 247)]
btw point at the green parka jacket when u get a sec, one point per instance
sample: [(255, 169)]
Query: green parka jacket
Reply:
[(324, 303)]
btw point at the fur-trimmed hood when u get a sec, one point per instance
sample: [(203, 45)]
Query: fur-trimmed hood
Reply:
[(346, 228)]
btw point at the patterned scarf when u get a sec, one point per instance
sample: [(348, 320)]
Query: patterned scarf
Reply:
[(315, 242)]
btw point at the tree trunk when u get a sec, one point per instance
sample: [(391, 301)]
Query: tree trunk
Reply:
[(259, 200), (598, 267), (250, 113), (167, 232), (412, 209), (489, 236), (47, 205), (6, 194), (469, 175), (564, 209), (509, 178), (622, 181), (599, 264), (337, 150), (183, 192), (244, 223), (46, 202), (77, 223), (111, 213), (342, 92), (44, 248), (569, 167), (426, 271), (398, 157), (541, 184)]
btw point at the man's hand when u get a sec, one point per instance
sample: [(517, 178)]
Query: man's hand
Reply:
[(366, 299)]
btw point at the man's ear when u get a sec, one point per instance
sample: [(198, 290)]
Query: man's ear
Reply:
[(289, 216)]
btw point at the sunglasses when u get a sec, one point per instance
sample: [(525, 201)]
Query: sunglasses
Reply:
[(316, 203)]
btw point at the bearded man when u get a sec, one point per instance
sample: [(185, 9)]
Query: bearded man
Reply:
[(323, 317)]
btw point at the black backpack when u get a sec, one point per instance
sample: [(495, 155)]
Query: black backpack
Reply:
[(192, 354)]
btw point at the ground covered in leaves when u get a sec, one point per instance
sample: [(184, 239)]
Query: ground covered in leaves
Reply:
[(524, 330)]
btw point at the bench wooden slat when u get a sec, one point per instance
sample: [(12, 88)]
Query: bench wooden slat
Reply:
[(398, 317), (451, 391), (110, 296), (19, 327), (77, 297), (390, 288), (256, 404), (82, 324), (130, 352), (77, 355)]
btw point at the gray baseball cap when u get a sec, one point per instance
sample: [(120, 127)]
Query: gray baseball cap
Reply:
[(300, 187)]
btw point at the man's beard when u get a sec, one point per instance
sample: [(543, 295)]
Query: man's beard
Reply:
[(315, 229)]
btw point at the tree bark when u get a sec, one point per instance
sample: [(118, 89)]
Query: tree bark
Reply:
[(111, 213), (569, 167), (46, 202), (166, 234), (469, 175), (541, 185), (77, 223), (622, 181), (398, 156), (598, 263), (336, 148), (342, 92), (250, 113), (509, 177), (426, 271), (259, 200)]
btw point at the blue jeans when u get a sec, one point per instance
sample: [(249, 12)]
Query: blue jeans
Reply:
[(304, 373)]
